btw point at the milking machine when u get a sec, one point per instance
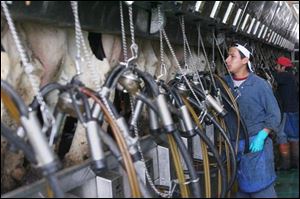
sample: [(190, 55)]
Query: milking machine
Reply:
[(146, 137)]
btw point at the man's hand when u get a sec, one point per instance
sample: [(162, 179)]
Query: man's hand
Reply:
[(257, 143)]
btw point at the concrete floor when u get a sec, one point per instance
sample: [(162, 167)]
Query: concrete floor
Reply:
[(287, 184)]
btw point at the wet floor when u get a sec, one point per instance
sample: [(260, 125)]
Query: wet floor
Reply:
[(287, 184)]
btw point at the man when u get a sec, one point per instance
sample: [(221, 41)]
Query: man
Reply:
[(288, 135), (261, 114)]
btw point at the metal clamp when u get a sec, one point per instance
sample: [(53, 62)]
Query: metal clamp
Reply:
[(202, 115)]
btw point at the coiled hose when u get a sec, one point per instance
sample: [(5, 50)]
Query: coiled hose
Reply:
[(211, 146), (232, 152)]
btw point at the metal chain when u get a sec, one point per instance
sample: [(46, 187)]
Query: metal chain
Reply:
[(224, 61), (163, 69), (213, 50), (177, 64), (77, 37), (133, 47), (131, 24), (181, 22), (14, 33), (48, 118), (92, 70), (190, 53), (206, 58), (87, 54), (105, 102), (149, 179), (123, 33)]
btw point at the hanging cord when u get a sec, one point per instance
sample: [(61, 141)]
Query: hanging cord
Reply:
[(163, 69), (77, 37), (87, 55), (213, 50), (124, 43), (92, 69), (181, 22), (48, 118), (206, 58), (178, 65), (190, 52), (134, 46), (222, 58)]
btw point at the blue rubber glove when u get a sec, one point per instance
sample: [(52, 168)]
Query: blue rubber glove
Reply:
[(257, 143)]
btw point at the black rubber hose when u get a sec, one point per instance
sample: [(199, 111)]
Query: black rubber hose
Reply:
[(198, 92), (242, 122), (209, 143), (144, 99), (216, 154), (227, 101), (111, 144), (233, 159), (86, 106), (112, 75), (18, 142), (245, 131), (148, 80), (233, 156), (113, 109), (218, 158), (45, 90), (75, 105), (176, 97), (15, 97), (194, 178), (173, 92), (117, 77), (56, 188)]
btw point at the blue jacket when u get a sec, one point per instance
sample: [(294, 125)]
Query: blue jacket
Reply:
[(257, 103), (259, 109)]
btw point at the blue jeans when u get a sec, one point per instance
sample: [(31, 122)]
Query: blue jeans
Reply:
[(289, 128), (268, 192), (281, 136)]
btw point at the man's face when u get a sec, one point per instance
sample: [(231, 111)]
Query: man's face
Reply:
[(234, 61), (279, 68)]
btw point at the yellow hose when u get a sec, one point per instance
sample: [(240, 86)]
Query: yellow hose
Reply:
[(10, 106), (206, 171), (49, 191), (228, 165), (178, 167), (219, 172), (227, 153), (236, 109)]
